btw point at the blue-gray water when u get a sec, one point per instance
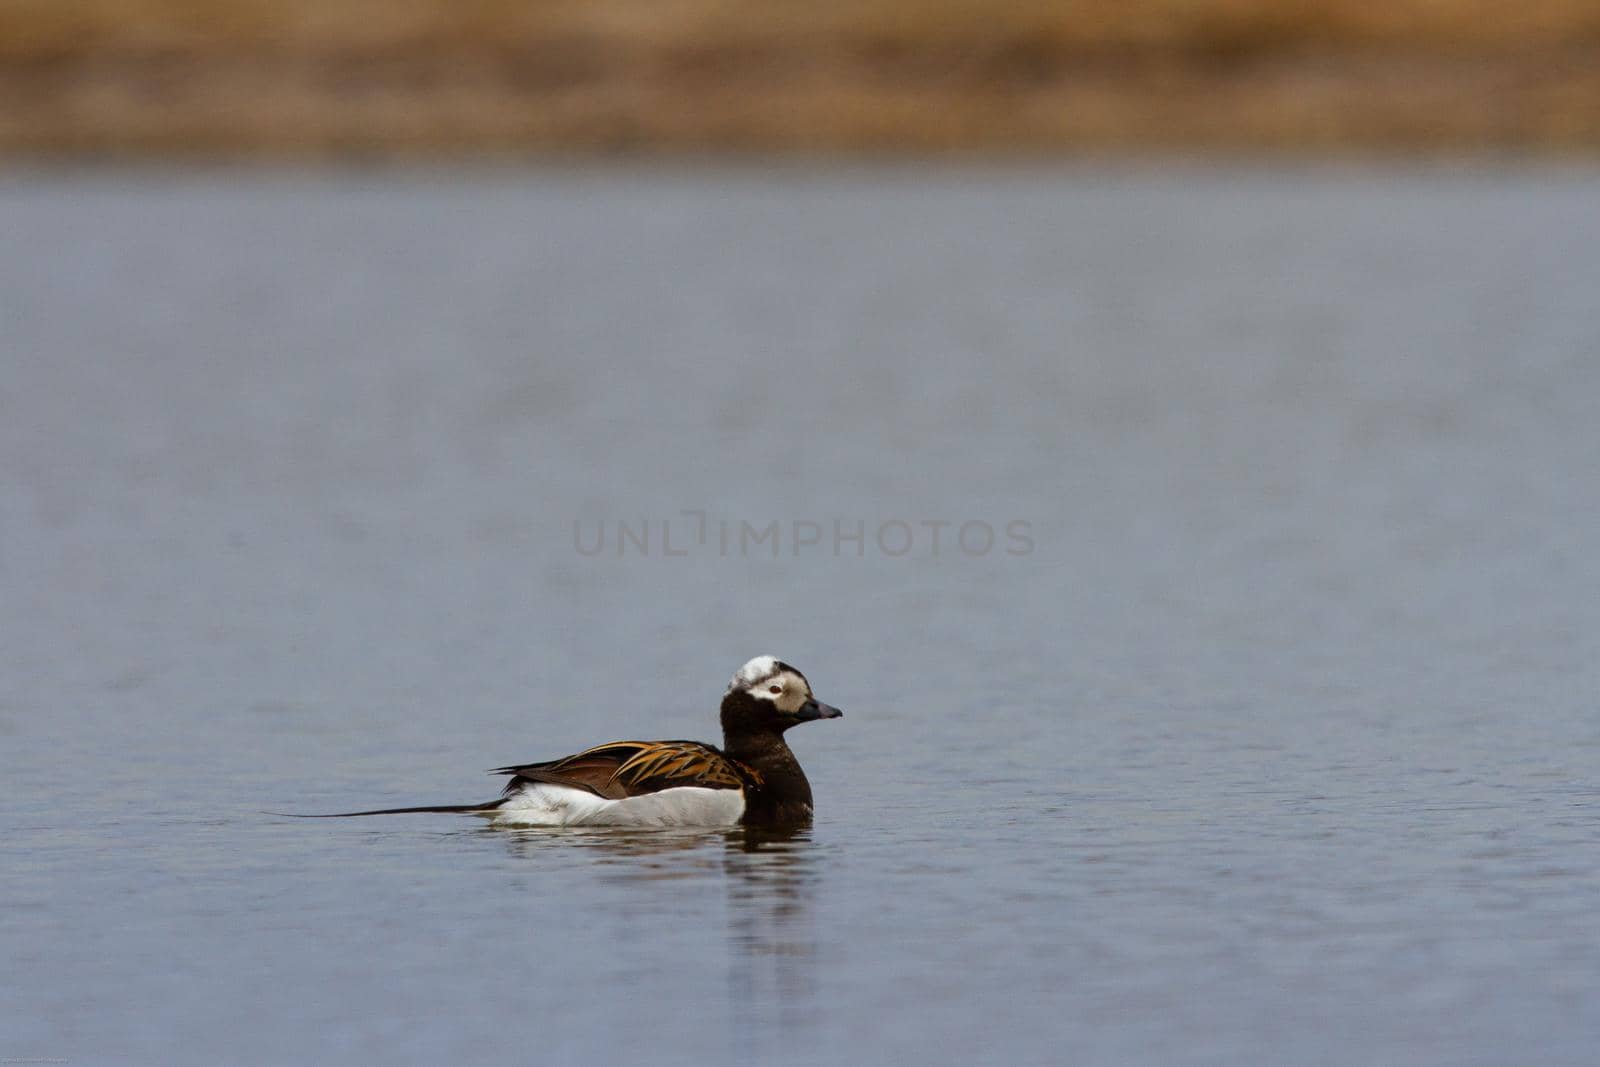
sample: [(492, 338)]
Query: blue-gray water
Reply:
[(1275, 738)]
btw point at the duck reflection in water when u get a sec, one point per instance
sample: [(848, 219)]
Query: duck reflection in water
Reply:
[(770, 879)]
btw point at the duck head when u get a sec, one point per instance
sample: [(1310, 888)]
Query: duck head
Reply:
[(767, 694)]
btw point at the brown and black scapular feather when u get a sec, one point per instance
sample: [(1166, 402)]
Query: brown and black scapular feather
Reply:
[(634, 768), (613, 771)]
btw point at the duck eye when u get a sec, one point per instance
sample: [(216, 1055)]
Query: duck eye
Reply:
[(774, 688)]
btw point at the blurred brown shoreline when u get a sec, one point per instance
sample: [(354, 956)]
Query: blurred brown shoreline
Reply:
[(419, 78)]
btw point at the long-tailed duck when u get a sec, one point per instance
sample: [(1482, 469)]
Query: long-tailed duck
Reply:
[(753, 780)]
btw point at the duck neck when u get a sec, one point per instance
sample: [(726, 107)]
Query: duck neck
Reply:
[(783, 795)]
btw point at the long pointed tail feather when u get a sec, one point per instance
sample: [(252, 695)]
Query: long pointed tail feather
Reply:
[(455, 808)]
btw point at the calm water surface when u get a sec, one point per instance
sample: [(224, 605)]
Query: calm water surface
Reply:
[(1278, 744)]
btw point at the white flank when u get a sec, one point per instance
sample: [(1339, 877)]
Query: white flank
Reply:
[(540, 804)]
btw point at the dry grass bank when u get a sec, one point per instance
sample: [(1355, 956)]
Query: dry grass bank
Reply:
[(422, 77)]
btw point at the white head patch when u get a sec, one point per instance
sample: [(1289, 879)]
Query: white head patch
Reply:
[(753, 672), (769, 678)]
